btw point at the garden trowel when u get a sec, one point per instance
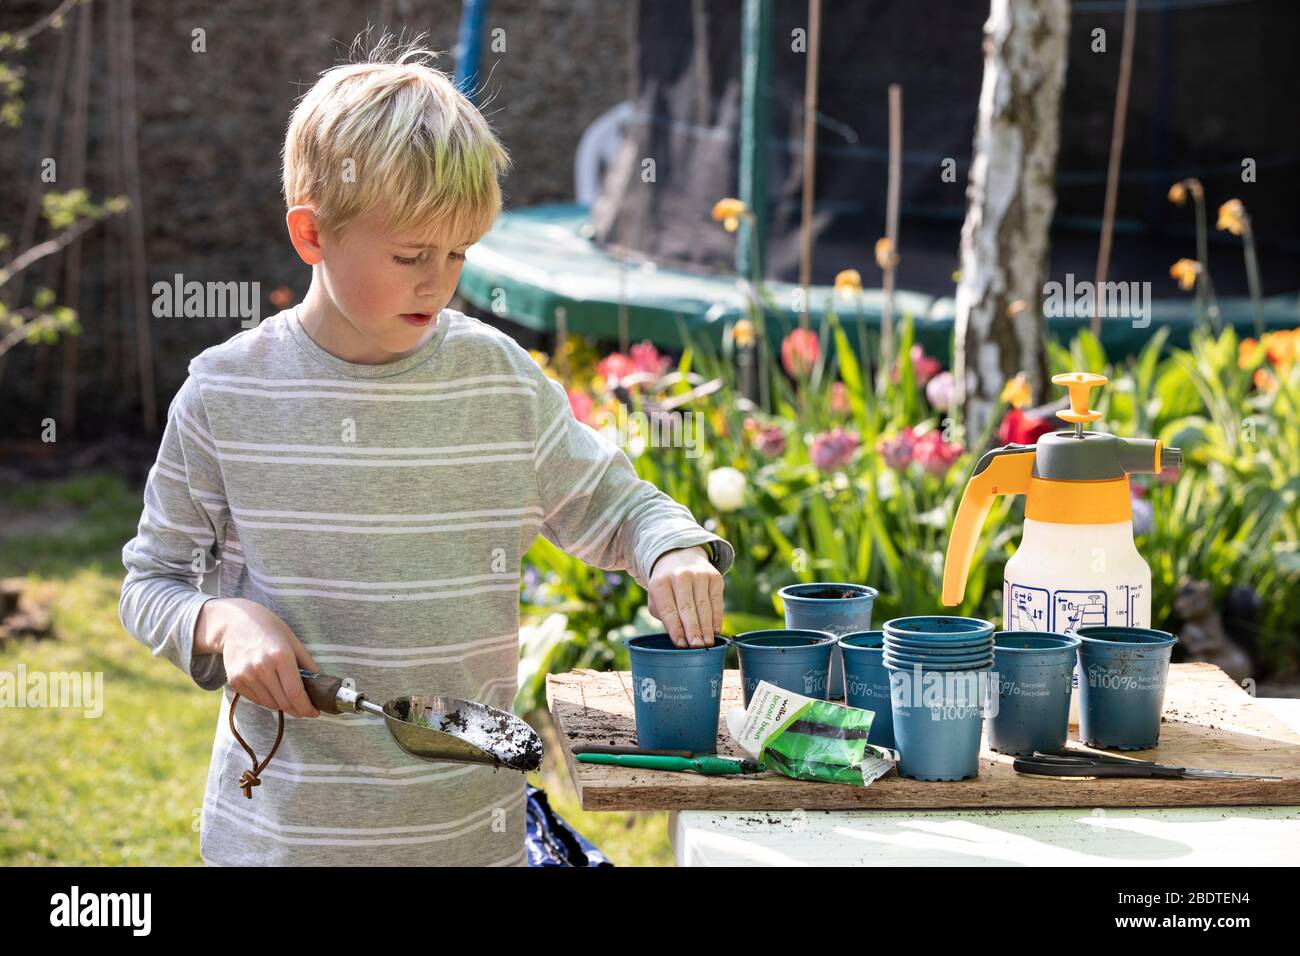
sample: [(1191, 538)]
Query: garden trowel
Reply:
[(437, 727)]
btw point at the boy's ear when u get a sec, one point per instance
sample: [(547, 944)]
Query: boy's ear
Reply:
[(304, 234)]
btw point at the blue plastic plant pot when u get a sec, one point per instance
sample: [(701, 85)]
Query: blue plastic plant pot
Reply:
[(832, 607), (1122, 676), (937, 740), (905, 664), (939, 647), (1033, 671), (793, 659), (937, 629), (866, 684), (677, 693), (951, 662), (939, 652)]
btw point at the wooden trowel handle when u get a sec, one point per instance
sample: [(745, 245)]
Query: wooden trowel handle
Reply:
[(323, 690)]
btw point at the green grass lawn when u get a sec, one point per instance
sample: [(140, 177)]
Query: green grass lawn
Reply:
[(125, 787)]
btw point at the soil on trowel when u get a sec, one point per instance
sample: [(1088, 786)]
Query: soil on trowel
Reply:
[(511, 742)]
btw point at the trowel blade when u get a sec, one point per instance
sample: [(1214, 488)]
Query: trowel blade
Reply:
[(462, 731)]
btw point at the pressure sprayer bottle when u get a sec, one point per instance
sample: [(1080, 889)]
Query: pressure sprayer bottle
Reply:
[(1077, 565)]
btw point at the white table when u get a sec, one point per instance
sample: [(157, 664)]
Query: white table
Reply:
[(1142, 836)]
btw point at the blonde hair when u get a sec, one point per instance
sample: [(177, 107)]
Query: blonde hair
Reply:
[(414, 145)]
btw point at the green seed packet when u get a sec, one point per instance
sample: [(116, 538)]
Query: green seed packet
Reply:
[(809, 739)]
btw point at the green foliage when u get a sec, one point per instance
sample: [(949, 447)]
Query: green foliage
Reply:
[(43, 321), (573, 611), (1231, 517)]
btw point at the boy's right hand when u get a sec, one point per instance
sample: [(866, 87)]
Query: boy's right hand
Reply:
[(261, 654)]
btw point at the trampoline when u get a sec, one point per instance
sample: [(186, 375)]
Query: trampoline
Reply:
[(1214, 80)]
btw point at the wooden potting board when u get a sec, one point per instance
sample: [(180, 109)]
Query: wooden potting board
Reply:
[(1208, 722)]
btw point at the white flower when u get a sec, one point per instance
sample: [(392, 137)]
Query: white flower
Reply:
[(726, 489), (939, 391)]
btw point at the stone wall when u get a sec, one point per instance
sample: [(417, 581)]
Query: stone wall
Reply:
[(210, 131)]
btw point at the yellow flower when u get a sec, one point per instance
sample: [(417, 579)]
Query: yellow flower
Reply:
[(1017, 392), (1179, 191), (1232, 217), (1185, 271), (744, 333), (1247, 353), (886, 257), (1282, 349), (728, 212), (848, 282)]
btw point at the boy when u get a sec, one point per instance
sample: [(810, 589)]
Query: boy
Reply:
[(369, 469)]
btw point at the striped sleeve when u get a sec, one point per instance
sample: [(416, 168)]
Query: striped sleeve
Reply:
[(596, 508), (184, 519)]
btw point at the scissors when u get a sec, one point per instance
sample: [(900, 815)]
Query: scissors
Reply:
[(1077, 763)]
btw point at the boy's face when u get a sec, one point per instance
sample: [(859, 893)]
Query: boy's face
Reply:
[(383, 289)]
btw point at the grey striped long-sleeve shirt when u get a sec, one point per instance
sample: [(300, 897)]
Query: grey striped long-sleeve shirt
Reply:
[(382, 511)]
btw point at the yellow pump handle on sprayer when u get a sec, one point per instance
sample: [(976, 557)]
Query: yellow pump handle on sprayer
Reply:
[(1080, 386), (1006, 474)]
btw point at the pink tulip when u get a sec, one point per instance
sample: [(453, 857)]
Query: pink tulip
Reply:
[(615, 367), (934, 454), (770, 441), (799, 352), (923, 366), (897, 451), (840, 399), (580, 403), (940, 390), (646, 358), (833, 449)]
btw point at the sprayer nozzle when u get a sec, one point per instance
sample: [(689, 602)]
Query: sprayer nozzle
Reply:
[(1171, 459)]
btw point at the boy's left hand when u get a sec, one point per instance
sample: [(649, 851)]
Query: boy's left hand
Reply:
[(686, 594)]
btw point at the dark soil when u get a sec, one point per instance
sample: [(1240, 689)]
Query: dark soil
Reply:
[(511, 742), (830, 594)]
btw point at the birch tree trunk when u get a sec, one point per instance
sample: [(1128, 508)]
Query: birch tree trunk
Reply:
[(1011, 198)]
